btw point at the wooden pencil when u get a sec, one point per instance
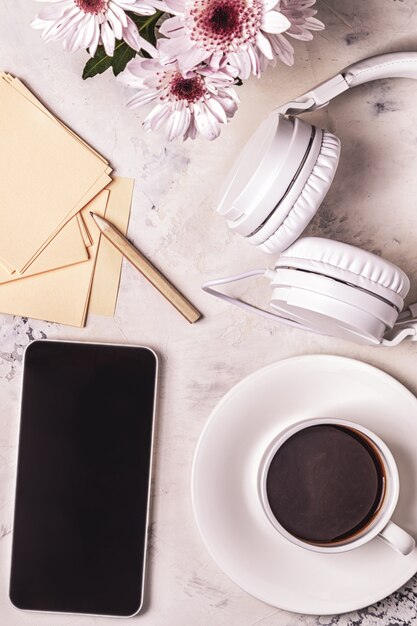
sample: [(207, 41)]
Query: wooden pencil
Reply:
[(145, 267)]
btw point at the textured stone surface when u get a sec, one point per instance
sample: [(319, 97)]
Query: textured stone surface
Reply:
[(371, 204)]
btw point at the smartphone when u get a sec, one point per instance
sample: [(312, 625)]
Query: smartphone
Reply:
[(83, 478)]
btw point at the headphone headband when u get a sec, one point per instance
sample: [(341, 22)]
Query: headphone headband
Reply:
[(391, 65)]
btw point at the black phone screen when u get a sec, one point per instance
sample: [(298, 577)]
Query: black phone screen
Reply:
[(80, 525)]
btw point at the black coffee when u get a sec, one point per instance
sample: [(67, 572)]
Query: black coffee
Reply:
[(325, 484)]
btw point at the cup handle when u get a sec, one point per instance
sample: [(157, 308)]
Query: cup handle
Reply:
[(397, 538)]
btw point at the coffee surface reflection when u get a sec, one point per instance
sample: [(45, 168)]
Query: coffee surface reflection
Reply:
[(325, 484)]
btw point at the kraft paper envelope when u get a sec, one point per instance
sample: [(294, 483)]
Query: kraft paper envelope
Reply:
[(17, 84), (58, 262), (109, 260), (6, 266), (60, 295), (21, 88), (85, 234), (98, 186), (66, 248), (102, 181), (69, 251), (44, 174)]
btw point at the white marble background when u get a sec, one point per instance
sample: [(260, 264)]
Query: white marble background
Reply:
[(372, 204)]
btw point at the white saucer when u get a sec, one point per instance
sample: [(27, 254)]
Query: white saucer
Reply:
[(229, 516)]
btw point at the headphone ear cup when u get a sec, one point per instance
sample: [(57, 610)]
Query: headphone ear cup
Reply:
[(268, 173), (335, 309), (278, 233), (338, 289), (350, 265)]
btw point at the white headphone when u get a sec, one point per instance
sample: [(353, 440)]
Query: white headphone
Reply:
[(271, 194)]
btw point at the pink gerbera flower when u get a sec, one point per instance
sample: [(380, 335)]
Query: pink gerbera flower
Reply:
[(197, 101), (301, 16), (239, 32), (88, 23)]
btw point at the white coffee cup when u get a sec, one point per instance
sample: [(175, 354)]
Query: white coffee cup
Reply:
[(380, 525)]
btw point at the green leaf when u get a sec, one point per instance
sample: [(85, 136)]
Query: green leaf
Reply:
[(98, 64), (122, 52), (146, 25), (121, 58)]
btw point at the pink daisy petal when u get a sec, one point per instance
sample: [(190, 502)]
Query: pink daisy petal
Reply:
[(115, 24), (181, 97), (235, 32), (282, 48), (270, 4), (119, 13), (175, 6), (172, 27), (264, 45), (206, 123), (108, 39), (274, 22), (141, 99), (94, 40), (87, 23), (157, 117)]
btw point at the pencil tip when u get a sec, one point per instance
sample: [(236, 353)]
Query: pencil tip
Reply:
[(91, 213)]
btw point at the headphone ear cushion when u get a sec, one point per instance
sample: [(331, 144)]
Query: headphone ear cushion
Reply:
[(348, 264), (311, 196)]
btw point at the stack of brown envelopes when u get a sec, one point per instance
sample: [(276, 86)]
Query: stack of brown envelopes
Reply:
[(53, 264)]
